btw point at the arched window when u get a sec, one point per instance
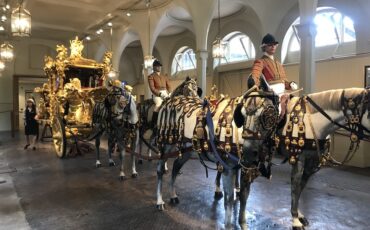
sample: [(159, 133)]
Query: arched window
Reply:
[(332, 27), (184, 60), (239, 48)]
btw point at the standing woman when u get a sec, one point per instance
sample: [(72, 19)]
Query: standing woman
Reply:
[(31, 125)]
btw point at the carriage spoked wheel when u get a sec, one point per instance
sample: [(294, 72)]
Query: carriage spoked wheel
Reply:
[(59, 137)]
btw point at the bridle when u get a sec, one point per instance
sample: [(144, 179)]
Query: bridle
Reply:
[(190, 88), (268, 118), (113, 98)]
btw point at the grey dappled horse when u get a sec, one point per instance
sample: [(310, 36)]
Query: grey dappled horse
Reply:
[(117, 115)]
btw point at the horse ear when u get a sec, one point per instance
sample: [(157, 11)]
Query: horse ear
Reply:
[(238, 116), (188, 78)]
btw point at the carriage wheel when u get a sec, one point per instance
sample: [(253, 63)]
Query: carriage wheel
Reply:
[(59, 137)]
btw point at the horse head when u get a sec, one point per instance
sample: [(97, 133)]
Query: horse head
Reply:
[(188, 88), (258, 115)]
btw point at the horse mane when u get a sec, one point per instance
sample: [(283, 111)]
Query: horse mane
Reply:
[(331, 99)]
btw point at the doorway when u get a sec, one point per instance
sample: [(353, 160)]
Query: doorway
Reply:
[(23, 86)]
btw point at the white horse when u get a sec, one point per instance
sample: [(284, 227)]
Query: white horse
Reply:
[(186, 125), (117, 115), (303, 137)]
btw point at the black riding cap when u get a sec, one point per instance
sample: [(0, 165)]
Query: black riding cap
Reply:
[(157, 63), (269, 39)]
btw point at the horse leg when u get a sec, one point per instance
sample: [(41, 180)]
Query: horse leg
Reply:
[(111, 144), (160, 172), (218, 192), (97, 146), (122, 151), (244, 194), (165, 167), (177, 165), (296, 189), (150, 155), (304, 181), (237, 185), (140, 148), (227, 182), (309, 166), (133, 159)]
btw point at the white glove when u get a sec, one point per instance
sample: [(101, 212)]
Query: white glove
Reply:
[(162, 95), (293, 85)]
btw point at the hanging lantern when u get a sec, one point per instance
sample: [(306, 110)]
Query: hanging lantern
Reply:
[(148, 61), (219, 48), (2, 66), (6, 52), (21, 22)]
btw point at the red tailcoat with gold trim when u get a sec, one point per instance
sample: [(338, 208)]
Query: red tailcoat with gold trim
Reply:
[(271, 69)]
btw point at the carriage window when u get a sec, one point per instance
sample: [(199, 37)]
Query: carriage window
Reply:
[(239, 48), (184, 60), (333, 29), (89, 77)]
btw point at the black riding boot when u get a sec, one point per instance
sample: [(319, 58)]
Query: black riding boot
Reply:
[(154, 119)]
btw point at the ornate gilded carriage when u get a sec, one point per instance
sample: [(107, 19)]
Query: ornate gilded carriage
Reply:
[(74, 85)]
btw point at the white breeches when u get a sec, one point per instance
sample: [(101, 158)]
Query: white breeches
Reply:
[(158, 100)]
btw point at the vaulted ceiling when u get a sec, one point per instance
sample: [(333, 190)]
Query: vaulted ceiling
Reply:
[(63, 19)]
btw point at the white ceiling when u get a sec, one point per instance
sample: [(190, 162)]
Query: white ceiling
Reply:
[(227, 8), (63, 19)]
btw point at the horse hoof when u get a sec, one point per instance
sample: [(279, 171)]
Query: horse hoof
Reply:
[(237, 194), (98, 165), (160, 207), (150, 160), (140, 162), (174, 200), (303, 221), (298, 228), (218, 195), (166, 171), (243, 224), (134, 175), (122, 178), (112, 164)]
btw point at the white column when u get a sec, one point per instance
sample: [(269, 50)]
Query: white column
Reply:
[(202, 56), (146, 73), (307, 34), (307, 67)]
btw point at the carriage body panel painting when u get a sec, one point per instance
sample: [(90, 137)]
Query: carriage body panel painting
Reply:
[(75, 85)]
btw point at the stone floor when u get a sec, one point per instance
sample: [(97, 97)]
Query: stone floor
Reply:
[(40, 191)]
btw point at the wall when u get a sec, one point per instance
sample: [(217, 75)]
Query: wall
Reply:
[(29, 60)]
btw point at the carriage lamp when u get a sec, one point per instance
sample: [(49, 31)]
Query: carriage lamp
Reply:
[(21, 21), (113, 74), (2, 66), (6, 52)]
